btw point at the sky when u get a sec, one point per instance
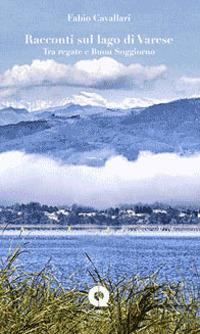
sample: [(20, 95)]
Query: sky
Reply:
[(29, 77)]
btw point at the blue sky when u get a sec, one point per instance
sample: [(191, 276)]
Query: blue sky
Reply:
[(179, 19)]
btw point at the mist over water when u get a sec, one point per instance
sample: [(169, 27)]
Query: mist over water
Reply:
[(164, 177)]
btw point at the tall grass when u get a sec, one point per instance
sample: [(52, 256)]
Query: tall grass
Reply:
[(36, 303)]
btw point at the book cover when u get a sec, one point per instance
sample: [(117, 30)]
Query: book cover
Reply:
[(99, 166)]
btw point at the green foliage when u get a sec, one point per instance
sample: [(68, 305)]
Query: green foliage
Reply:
[(35, 303)]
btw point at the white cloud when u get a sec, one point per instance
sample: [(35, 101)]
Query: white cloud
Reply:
[(162, 177), (189, 85), (104, 73), (6, 93)]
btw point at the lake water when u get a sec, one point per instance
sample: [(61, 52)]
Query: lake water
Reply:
[(178, 258)]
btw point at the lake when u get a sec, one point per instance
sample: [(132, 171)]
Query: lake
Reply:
[(177, 257)]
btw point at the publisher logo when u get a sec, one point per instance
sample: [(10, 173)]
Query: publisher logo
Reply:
[(99, 296)]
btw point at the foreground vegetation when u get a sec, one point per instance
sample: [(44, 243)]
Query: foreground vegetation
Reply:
[(35, 303)]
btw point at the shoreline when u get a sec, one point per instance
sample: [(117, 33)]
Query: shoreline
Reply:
[(78, 230)]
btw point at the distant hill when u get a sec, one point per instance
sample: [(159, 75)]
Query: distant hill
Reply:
[(90, 135), (12, 116), (21, 129)]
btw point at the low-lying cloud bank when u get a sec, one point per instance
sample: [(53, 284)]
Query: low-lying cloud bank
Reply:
[(162, 177)]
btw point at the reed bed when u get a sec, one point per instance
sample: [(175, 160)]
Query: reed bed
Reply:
[(36, 303)]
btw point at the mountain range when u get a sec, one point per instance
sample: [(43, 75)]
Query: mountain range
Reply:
[(90, 135)]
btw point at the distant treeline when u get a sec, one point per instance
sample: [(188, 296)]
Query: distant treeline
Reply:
[(35, 213)]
